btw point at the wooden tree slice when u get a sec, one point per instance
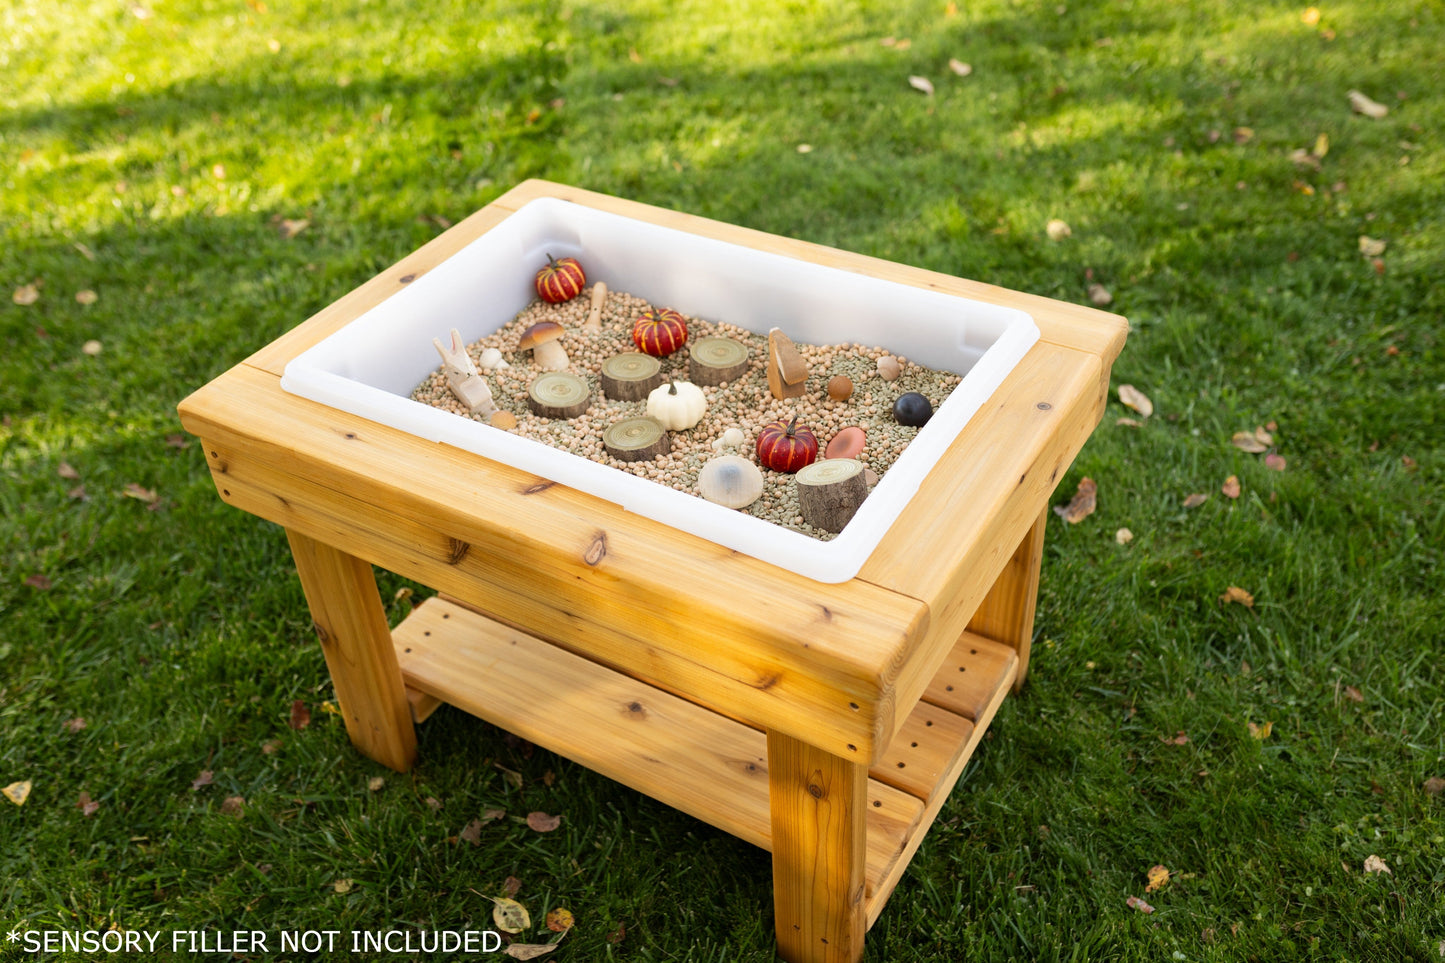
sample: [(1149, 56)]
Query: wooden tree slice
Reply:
[(630, 376), (711, 361), (558, 394), (636, 439), (830, 491)]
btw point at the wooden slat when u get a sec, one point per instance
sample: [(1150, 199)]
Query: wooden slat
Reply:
[(1062, 323), (967, 682), (819, 852), (787, 653), (1007, 613), (351, 625), (681, 754), (982, 694), (923, 751), (422, 705)]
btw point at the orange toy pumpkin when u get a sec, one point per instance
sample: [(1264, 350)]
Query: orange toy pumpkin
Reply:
[(787, 447), (659, 332), (560, 280)]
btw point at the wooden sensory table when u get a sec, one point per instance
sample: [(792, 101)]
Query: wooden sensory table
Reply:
[(825, 723)]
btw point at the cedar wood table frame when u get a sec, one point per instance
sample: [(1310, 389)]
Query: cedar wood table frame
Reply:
[(825, 723)]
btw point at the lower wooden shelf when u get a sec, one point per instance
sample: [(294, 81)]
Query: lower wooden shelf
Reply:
[(704, 764)]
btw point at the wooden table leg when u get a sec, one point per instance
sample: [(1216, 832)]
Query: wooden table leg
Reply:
[(818, 805), (1007, 612), (346, 611)]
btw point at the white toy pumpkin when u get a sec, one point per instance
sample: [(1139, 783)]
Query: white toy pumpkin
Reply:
[(678, 405)]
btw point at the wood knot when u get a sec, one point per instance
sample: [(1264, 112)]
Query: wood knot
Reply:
[(596, 549), (635, 709), (816, 791), (536, 488), (320, 631), (768, 681), (457, 550)]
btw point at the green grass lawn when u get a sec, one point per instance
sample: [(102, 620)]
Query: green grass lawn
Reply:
[(151, 153)]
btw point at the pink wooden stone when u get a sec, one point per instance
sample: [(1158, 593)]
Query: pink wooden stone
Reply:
[(847, 443)]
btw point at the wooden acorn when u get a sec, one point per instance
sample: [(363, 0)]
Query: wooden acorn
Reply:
[(786, 447)]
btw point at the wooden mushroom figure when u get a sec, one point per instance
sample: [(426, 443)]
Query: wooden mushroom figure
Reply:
[(470, 388), (542, 339)]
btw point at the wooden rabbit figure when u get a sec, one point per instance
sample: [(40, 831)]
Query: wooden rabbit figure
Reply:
[(469, 387)]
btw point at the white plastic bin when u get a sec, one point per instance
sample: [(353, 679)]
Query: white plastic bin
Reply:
[(371, 366)]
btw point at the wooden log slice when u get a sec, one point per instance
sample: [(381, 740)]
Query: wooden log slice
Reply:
[(636, 439), (711, 361), (630, 376), (558, 394), (830, 491)]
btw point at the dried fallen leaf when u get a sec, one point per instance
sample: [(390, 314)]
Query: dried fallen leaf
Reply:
[(543, 823), (1260, 732), (92, 348), (1251, 441), (560, 920), (1311, 16), (66, 470), (1322, 145), (510, 915), (492, 815), (85, 804), (1274, 461), (234, 806), (25, 295), (139, 493), (1230, 488), (1304, 158), (1353, 694), (375, 783), (1370, 246), (1057, 230), (471, 833), (528, 951), (1129, 422), (805, 148), (73, 726), (1180, 738), (1132, 397), (433, 803), (40, 583), (78, 494), (1374, 864), (343, 885), (177, 442), (1243, 135), (1434, 786), (921, 83), (1195, 499), (289, 227), (1123, 536), (1361, 104), (270, 747), (511, 886), (959, 67), (617, 935), (300, 715), (86, 296), (1082, 505), (1099, 295), (203, 780), (1138, 904), (17, 792), (1236, 594), (1158, 879)]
